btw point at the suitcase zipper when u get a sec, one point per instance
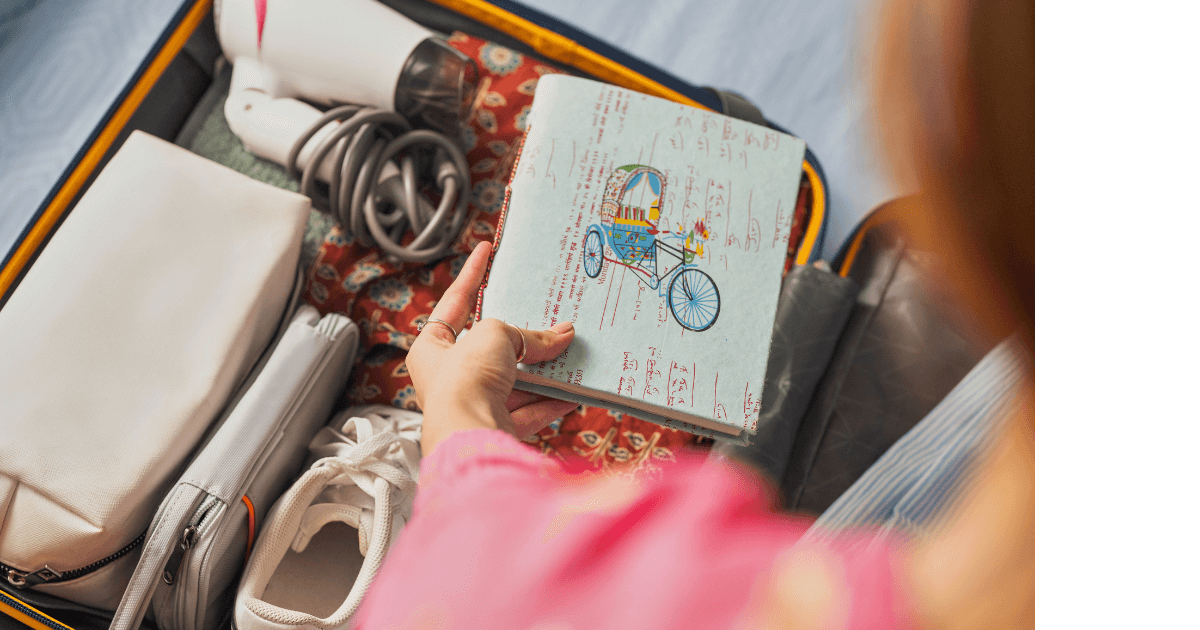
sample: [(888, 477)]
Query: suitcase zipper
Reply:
[(34, 615), (46, 575)]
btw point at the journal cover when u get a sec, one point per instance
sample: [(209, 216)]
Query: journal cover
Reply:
[(660, 230)]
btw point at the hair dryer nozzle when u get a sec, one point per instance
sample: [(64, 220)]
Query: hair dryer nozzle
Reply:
[(437, 87)]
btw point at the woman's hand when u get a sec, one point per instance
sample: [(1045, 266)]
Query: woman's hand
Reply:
[(468, 383)]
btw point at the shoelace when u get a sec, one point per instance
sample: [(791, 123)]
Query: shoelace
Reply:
[(364, 459), (363, 464)]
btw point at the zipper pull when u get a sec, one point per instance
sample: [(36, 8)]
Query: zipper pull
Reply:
[(186, 540), (21, 579), (17, 578)]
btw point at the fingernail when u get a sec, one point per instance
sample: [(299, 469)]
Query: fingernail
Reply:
[(562, 328)]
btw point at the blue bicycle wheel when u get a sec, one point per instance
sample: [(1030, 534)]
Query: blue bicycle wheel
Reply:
[(593, 253), (694, 299)]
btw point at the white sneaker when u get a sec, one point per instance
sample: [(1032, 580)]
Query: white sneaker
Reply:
[(325, 538)]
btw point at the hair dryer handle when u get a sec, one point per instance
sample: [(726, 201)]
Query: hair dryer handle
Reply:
[(269, 127)]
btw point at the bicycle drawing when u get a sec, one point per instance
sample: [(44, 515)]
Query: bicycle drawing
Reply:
[(663, 259)]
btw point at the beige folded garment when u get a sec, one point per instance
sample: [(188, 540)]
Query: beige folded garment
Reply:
[(121, 346)]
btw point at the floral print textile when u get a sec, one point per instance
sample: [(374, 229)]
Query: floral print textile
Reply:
[(389, 302)]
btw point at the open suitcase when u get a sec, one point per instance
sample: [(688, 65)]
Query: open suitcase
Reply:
[(862, 337)]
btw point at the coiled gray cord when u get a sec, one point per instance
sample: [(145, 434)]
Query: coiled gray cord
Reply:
[(380, 213)]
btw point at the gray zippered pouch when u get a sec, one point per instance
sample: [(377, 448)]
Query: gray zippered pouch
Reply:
[(202, 533)]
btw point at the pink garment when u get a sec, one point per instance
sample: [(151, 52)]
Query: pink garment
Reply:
[(501, 537)]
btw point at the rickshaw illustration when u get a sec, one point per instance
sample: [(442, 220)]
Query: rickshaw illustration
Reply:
[(662, 259)]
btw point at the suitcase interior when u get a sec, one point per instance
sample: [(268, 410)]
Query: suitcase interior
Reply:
[(178, 95)]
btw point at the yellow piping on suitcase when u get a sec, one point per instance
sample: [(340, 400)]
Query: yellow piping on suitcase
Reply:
[(818, 216), (26, 619), (890, 211), (564, 50), (83, 170)]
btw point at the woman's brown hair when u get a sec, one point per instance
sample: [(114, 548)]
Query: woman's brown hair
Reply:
[(954, 98)]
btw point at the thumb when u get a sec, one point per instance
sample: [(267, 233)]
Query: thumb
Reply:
[(540, 345)]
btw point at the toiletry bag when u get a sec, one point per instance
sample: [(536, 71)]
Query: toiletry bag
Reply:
[(121, 347)]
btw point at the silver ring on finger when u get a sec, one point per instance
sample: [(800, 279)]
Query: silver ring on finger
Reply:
[(524, 344), (433, 320)]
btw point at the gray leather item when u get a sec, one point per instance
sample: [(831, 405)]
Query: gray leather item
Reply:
[(852, 370), (900, 354), (198, 541), (814, 306), (738, 106)]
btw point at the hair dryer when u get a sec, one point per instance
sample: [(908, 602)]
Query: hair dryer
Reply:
[(381, 73)]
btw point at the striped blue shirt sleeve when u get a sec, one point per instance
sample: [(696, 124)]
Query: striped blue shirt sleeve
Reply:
[(921, 475)]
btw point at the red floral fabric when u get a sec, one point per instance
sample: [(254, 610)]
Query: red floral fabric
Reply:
[(389, 302)]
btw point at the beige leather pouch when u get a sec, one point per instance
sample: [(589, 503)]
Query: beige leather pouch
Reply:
[(118, 350)]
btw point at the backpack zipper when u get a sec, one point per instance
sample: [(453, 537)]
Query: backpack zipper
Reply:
[(46, 575)]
